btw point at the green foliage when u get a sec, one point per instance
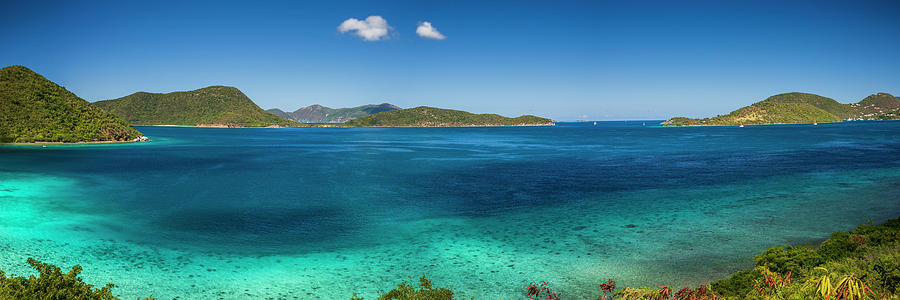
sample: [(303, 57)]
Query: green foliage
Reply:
[(858, 264), (887, 270), (836, 247), (841, 111), (214, 105), (788, 259), (800, 108), (642, 293), (405, 291), (34, 109), (321, 114), (738, 284), (424, 116), (51, 284)]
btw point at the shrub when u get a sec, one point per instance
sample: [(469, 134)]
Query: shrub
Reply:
[(739, 284), (836, 247), (887, 269), (51, 284), (426, 291), (788, 259)]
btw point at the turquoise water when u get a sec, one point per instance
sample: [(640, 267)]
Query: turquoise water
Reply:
[(324, 212)]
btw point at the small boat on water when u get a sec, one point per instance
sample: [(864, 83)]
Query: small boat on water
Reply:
[(742, 126), (595, 123)]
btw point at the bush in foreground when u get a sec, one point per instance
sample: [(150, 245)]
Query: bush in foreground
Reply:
[(52, 284), (405, 291)]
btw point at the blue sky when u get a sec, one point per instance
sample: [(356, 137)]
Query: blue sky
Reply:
[(566, 60)]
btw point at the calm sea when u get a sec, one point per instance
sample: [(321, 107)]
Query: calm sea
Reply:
[(325, 212)]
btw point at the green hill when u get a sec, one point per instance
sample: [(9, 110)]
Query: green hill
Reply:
[(209, 106), (877, 105), (321, 114), (424, 116), (799, 108), (34, 109)]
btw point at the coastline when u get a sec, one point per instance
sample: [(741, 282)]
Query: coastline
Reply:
[(729, 125), (454, 126), (212, 126), (136, 140), (345, 126), (69, 143)]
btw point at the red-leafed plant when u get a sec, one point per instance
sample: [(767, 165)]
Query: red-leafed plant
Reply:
[(537, 291), (701, 293), (664, 292), (607, 288)]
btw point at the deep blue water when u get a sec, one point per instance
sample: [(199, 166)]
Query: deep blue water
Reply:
[(324, 212)]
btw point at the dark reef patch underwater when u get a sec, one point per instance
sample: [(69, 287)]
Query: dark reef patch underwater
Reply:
[(325, 212)]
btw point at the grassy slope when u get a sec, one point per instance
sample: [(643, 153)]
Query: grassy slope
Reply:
[(798, 108), (209, 105), (34, 109), (424, 116)]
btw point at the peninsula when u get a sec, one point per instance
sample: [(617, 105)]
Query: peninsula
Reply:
[(793, 108), (321, 114), (34, 109), (214, 106), (424, 116)]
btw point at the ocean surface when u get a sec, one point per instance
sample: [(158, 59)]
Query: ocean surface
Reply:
[(306, 213)]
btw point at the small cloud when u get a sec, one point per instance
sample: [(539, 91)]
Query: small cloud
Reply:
[(373, 28), (425, 30)]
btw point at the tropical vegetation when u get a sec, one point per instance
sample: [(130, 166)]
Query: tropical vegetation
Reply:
[(209, 106), (321, 114), (799, 108), (34, 109), (406, 291), (52, 284), (424, 116)]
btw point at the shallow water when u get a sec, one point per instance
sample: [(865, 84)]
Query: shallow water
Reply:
[(323, 212)]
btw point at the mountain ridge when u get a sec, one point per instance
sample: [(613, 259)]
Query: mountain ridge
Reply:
[(215, 106), (424, 116), (322, 114)]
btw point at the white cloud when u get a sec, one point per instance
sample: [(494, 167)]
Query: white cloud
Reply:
[(425, 30), (373, 28)]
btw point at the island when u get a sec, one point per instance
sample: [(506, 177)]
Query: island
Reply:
[(34, 109), (321, 114), (424, 116), (214, 106), (793, 108)]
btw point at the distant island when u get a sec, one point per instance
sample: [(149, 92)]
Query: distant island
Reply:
[(424, 116), (321, 114), (34, 109), (792, 108), (214, 106)]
